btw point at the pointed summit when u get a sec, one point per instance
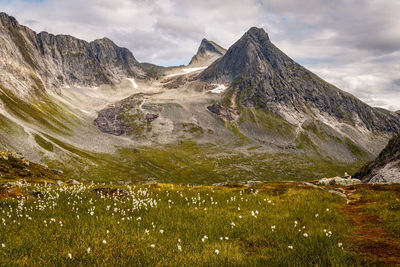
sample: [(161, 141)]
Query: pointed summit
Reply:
[(258, 33), (262, 76), (252, 54), (207, 53)]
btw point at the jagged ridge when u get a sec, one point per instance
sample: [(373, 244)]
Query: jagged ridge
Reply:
[(60, 59)]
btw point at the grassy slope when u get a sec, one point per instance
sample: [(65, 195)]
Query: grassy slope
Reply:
[(185, 213), (191, 163), (322, 229), (42, 224)]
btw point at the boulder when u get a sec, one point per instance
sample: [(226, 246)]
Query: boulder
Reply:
[(73, 182), (338, 181)]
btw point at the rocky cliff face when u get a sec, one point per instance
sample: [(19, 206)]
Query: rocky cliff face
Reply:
[(59, 60), (385, 168), (207, 53), (262, 76)]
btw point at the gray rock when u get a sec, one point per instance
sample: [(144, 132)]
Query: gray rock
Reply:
[(310, 184), (207, 53), (338, 181), (110, 120), (73, 182), (227, 114), (57, 172), (151, 117), (385, 168), (338, 193), (58, 183)]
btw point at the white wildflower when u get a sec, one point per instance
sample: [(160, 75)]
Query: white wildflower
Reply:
[(104, 241), (305, 235), (217, 251)]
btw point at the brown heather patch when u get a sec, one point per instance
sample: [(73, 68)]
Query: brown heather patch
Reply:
[(371, 238)]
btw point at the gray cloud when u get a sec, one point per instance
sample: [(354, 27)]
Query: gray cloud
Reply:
[(354, 44)]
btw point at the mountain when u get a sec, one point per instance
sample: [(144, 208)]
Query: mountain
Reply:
[(385, 168), (262, 77), (207, 53), (59, 60)]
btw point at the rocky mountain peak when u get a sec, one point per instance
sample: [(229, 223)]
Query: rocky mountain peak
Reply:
[(262, 76), (210, 46), (207, 53), (258, 34), (7, 20)]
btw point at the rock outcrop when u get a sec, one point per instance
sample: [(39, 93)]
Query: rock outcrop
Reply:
[(207, 53), (116, 118), (53, 61), (385, 168)]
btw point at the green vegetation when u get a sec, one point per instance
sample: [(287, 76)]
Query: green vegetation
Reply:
[(38, 87), (192, 128), (161, 224), (355, 149), (271, 123), (136, 119), (232, 126), (192, 163), (43, 143), (304, 142), (21, 44), (13, 167), (45, 112), (100, 76)]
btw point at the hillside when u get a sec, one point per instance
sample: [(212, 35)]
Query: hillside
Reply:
[(385, 168)]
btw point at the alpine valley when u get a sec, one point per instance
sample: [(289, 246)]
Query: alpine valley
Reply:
[(250, 112)]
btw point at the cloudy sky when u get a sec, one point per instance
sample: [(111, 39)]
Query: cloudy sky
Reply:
[(354, 44)]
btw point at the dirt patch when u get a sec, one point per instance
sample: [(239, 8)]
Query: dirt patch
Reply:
[(370, 239), (6, 192)]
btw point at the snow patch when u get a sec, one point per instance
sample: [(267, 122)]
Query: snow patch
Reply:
[(189, 70), (219, 89), (134, 84)]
